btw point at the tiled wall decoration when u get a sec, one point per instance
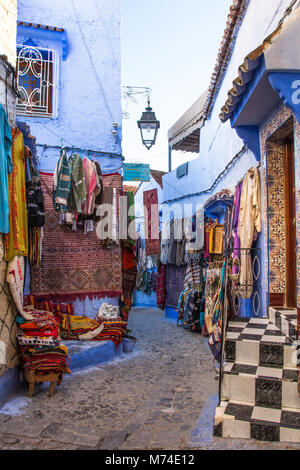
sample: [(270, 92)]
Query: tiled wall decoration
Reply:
[(272, 203), (297, 195), (276, 210)]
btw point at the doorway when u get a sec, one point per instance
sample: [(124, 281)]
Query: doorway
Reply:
[(282, 217)]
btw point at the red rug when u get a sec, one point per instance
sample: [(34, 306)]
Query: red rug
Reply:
[(151, 215), (73, 264)]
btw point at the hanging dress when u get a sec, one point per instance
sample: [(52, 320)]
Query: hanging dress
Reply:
[(16, 241), (6, 167)]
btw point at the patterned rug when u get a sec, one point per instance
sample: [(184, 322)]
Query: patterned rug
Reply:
[(151, 222), (73, 264)]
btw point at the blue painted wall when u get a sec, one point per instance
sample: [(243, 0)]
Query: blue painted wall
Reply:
[(89, 89)]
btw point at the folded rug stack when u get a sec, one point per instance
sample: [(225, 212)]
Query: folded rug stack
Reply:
[(40, 345)]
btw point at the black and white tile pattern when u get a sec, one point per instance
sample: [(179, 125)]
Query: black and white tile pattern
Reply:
[(259, 387), (285, 320), (257, 422), (256, 329)]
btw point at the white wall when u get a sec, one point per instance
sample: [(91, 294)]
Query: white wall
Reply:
[(8, 29), (219, 143)]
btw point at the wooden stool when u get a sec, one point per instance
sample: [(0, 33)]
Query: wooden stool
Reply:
[(32, 378)]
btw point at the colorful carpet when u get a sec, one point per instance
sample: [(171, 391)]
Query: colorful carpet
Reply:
[(73, 264)]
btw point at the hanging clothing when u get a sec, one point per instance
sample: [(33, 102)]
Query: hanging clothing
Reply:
[(16, 241), (6, 167), (61, 183), (92, 186), (161, 287), (249, 227), (77, 182), (98, 199), (34, 198), (237, 245)]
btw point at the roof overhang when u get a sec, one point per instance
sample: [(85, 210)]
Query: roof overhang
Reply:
[(185, 133), (269, 74)]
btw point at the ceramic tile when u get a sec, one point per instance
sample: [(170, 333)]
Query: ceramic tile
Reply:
[(253, 331), (273, 339), (290, 418), (270, 355), (236, 429), (242, 388), (239, 411), (289, 435), (268, 393), (269, 372), (261, 321), (232, 335), (247, 351), (290, 396), (264, 432), (290, 356), (266, 414)]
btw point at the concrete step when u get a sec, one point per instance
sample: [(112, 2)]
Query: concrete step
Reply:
[(84, 354), (234, 419), (261, 386), (285, 320)]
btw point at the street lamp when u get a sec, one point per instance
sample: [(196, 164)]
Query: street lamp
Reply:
[(148, 125)]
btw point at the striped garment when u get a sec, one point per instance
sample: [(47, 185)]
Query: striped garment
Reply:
[(61, 183)]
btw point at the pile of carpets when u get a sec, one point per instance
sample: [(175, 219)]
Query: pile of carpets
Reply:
[(75, 327), (40, 343)]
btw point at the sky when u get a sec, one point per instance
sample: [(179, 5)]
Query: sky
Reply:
[(170, 46)]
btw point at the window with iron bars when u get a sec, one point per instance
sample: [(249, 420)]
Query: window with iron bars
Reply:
[(37, 78)]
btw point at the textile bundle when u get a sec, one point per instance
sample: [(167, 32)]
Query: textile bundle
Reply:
[(74, 326), (40, 343), (73, 265)]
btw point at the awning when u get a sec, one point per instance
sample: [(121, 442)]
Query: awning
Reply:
[(267, 74), (185, 133)]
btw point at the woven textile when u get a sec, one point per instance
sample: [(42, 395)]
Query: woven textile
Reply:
[(161, 287), (73, 264), (151, 222), (174, 284), (8, 313)]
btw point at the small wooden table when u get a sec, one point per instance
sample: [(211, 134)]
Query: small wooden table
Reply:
[(33, 378)]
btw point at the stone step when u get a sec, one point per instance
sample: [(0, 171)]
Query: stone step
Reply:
[(285, 320), (235, 419), (261, 386), (259, 342)]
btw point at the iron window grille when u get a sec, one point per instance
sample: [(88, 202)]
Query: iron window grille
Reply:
[(37, 78)]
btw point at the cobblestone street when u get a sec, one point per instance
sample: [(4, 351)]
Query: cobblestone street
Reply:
[(162, 396)]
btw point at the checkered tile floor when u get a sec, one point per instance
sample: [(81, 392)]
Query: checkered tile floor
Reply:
[(256, 329)]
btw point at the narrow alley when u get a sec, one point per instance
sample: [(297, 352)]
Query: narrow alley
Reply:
[(161, 396)]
